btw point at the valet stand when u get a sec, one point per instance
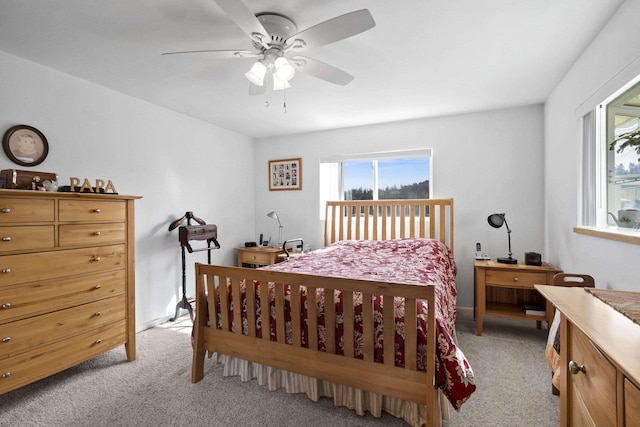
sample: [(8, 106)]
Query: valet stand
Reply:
[(204, 231)]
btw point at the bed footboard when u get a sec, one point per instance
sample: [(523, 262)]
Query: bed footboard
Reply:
[(220, 294)]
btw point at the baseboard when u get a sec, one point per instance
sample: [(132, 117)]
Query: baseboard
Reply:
[(152, 323)]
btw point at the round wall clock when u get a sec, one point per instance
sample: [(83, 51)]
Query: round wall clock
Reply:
[(25, 145)]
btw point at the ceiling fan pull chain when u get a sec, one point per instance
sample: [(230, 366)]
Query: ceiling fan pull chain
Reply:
[(284, 101)]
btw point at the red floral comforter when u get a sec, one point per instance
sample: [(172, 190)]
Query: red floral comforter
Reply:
[(419, 261)]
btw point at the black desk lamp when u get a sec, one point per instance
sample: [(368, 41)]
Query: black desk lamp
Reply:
[(496, 220)]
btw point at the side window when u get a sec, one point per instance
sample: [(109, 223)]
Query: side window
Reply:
[(623, 184), (611, 162)]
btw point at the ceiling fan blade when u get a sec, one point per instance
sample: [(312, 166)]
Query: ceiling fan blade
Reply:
[(220, 54), (321, 70), (240, 14), (338, 28)]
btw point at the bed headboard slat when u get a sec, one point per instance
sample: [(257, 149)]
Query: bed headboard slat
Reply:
[(389, 219)]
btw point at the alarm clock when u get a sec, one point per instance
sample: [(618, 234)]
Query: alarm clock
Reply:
[(532, 258)]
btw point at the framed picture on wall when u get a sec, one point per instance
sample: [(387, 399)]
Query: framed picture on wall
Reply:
[(285, 174), (25, 145)]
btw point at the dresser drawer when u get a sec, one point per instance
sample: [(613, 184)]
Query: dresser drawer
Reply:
[(593, 391), (24, 268), (91, 234), (20, 301), (41, 362), (16, 210), (514, 279), (21, 238), (631, 404), (22, 335), (91, 211)]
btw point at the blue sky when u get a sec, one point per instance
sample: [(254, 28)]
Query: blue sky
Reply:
[(390, 172)]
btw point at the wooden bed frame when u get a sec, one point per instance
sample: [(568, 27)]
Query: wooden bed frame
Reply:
[(423, 218)]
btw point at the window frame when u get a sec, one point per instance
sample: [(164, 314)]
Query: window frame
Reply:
[(331, 161), (596, 166)]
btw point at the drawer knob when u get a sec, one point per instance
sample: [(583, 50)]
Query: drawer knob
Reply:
[(98, 341), (97, 314), (6, 375), (6, 270), (515, 279), (97, 210), (6, 305), (6, 339), (574, 368), (96, 258), (5, 210), (97, 233), (6, 239), (97, 286)]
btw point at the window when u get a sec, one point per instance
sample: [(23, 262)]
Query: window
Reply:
[(623, 186), (376, 176), (611, 178)]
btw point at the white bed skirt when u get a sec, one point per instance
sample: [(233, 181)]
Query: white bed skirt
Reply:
[(352, 398)]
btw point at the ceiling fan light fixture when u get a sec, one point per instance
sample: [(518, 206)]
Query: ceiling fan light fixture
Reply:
[(256, 74), (279, 84), (284, 70)]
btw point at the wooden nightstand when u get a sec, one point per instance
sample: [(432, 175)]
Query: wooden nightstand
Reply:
[(258, 256), (503, 290)]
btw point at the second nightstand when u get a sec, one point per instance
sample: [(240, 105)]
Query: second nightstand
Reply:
[(258, 256), (504, 289)]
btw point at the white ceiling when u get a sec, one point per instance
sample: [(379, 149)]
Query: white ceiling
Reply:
[(423, 58)]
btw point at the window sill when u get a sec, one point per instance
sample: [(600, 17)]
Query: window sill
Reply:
[(611, 233)]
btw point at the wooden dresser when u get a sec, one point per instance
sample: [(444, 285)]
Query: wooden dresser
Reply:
[(600, 363), (67, 281)]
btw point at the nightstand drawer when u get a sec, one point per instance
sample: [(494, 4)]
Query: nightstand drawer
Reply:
[(257, 258), (515, 279)]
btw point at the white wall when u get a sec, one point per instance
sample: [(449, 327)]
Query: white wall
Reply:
[(488, 162), (610, 61), (175, 163)]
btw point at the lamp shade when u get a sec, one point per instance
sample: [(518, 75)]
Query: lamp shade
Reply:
[(284, 70), (279, 84), (274, 215), (256, 74), (496, 220)]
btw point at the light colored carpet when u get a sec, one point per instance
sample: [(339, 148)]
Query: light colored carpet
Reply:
[(514, 388)]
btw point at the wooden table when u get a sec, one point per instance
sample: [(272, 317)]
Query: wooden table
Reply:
[(258, 256), (600, 367), (504, 289)]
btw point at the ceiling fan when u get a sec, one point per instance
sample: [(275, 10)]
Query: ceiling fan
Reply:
[(276, 42)]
